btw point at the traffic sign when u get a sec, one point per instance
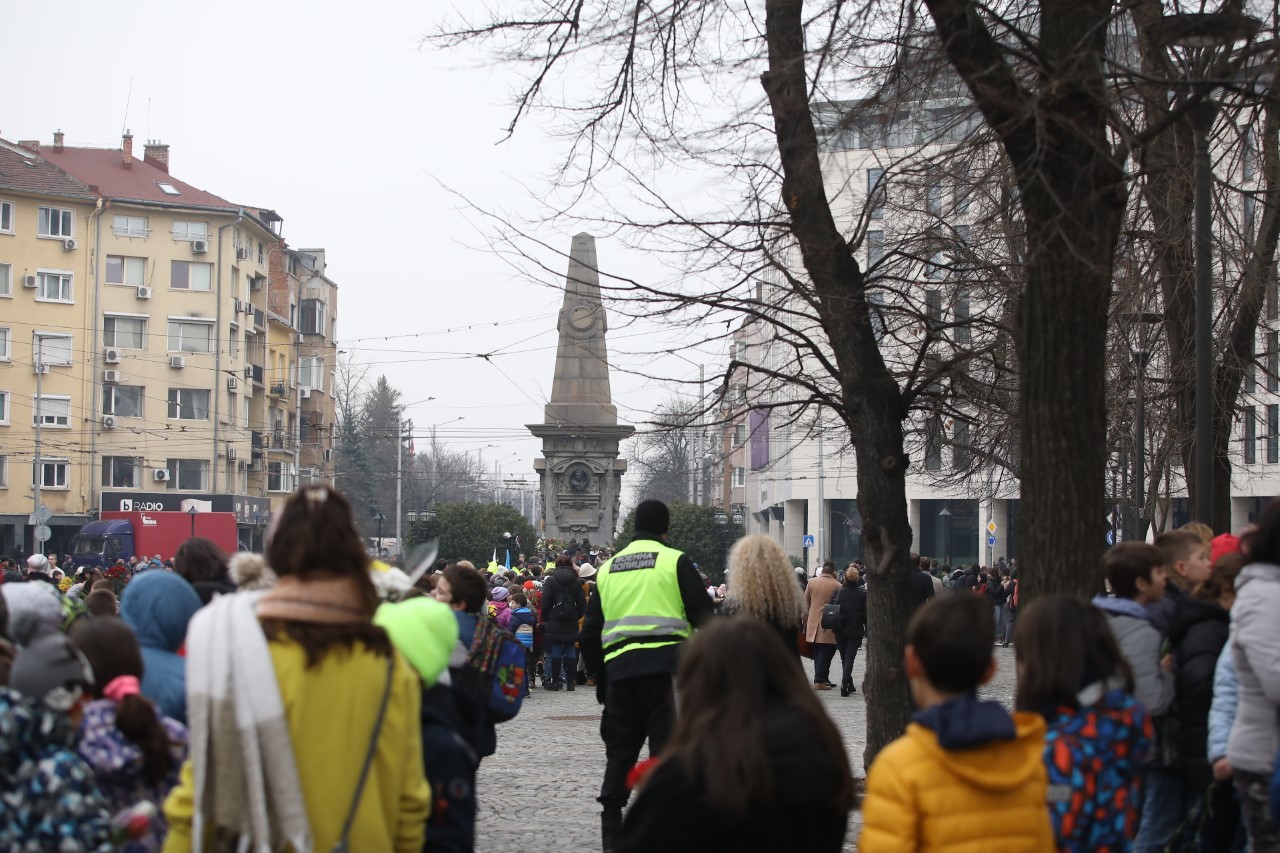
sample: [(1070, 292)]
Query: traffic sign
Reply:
[(41, 515), (43, 533), (1111, 537), (991, 528), (991, 540), (808, 542)]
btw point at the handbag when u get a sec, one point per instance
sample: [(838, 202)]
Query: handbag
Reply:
[(803, 645), (832, 615), (343, 843)]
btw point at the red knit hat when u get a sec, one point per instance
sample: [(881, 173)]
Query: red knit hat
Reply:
[(1221, 545)]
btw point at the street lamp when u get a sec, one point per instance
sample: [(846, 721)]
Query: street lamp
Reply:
[(379, 517), (1208, 30)]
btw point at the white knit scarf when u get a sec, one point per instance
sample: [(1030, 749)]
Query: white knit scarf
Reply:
[(246, 778)]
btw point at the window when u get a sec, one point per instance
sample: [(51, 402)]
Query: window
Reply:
[(57, 222), (129, 226), (936, 265), (123, 401), (121, 472), (933, 308), (191, 230), (52, 473), (875, 248), (933, 444), (1273, 361), (963, 191), (4, 408), (185, 336), (281, 477), (53, 350), (961, 453), (6, 217), (875, 193), (1273, 300), (190, 474), (739, 435), (53, 287), (1251, 155), (1250, 435), (875, 310), (188, 404), (168, 189), (933, 193), (4, 472), (739, 477), (6, 336), (1250, 212), (963, 333), (6, 279), (128, 271), (186, 275), (1273, 433), (312, 317), (233, 341), (311, 373), (124, 332), (52, 411)]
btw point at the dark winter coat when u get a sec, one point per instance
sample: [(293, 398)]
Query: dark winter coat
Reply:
[(996, 593), (562, 584), (452, 764), (671, 812), (1198, 632), (921, 588), (853, 607)]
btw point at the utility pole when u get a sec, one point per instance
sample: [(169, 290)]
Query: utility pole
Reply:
[(699, 488), (818, 542), (399, 479), (38, 468)]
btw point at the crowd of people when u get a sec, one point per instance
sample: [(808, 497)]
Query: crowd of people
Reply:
[(178, 706)]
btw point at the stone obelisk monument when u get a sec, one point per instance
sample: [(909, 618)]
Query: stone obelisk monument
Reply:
[(580, 472)]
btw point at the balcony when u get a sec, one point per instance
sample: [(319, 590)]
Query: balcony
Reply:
[(279, 389), (257, 439)]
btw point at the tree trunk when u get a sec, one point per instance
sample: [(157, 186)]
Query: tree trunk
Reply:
[(873, 408), (1073, 197)]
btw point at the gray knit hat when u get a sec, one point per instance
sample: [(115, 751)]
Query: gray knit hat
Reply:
[(52, 670)]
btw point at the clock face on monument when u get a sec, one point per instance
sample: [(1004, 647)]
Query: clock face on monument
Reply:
[(582, 318)]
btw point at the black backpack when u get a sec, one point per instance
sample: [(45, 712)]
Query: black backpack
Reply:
[(564, 610)]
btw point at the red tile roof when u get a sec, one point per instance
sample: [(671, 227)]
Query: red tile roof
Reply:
[(24, 171), (104, 168)]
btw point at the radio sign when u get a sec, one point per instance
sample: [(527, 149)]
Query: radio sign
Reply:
[(128, 505), (148, 521)]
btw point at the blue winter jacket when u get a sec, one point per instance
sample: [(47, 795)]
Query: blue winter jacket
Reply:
[(523, 616), (159, 606), (1222, 713)]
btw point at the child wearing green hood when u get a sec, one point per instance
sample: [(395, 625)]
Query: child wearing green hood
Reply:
[(425, 631)]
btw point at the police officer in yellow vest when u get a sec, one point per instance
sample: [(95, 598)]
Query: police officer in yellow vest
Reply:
[(648, 599)]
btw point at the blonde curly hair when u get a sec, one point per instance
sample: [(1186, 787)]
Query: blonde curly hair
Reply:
[(762, 582)]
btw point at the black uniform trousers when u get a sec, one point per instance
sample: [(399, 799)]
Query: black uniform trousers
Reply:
[(635, 709)]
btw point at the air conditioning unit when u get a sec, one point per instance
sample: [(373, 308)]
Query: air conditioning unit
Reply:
[(108, 421), (243, 253), (247, 307), (199, 247), (255, 283), (161, 475), (248, 371), (177, 362), (111, 355), (69, 244), (306, 393), (231, 451), (144, 293), (328, 454), (29, 281), (111, 377), (242, 465), (232, 383), (297, 338)]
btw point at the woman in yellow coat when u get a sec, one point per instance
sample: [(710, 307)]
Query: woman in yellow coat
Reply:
[(304, 721)]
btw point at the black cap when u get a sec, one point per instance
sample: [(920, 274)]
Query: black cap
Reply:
[(653, 517)]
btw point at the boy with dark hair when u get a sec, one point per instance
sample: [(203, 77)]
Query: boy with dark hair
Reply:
[(966, 770), (1135, 572), (465, 591)]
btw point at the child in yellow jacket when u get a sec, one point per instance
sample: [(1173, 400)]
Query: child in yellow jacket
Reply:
[(967, 775)]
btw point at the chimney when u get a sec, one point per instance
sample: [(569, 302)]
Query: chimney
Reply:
[(127, 144), (30, 144), (157, 154), (57, 140)]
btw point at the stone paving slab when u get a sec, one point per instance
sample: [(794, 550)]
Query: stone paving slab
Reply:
[(537, 793)]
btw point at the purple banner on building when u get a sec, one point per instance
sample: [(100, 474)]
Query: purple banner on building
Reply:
[(758, 425)]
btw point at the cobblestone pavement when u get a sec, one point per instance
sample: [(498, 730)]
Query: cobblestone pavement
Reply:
[(538, 792)]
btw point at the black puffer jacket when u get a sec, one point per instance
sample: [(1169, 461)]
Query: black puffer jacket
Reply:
[(853, 607), (1198, 632), (562, 584)]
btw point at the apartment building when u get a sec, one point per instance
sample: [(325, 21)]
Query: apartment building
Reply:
[(921, 219), (180, 365)]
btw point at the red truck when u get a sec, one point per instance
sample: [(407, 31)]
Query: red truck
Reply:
[(121, 535)]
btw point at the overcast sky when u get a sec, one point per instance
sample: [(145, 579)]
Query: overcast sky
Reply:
[(330, 114)]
